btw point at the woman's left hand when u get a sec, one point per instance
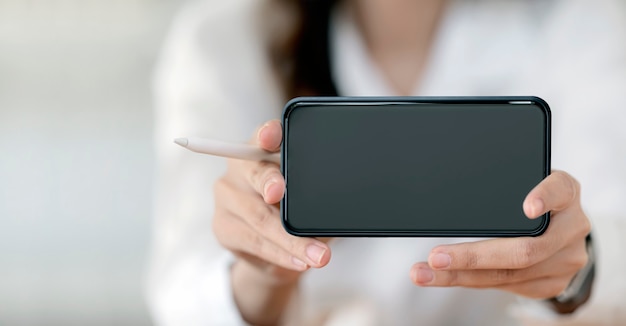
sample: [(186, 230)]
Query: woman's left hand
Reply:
[(536, 267)]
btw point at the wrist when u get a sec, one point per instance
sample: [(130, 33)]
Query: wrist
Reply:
[(579, 290), (263, 274), (260, 297)]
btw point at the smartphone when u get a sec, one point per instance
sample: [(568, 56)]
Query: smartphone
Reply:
[(413, 166)]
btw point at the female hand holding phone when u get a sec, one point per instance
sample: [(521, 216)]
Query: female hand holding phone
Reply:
[(247, 222), (535, 267)]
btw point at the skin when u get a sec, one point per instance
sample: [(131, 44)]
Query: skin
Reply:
[(270, 261), (247, 222), (398, 35), (535, 267)]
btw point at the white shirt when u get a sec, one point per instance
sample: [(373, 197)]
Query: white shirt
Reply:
[(214, 81)]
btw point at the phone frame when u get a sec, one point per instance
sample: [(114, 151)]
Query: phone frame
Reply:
[(487, 100)]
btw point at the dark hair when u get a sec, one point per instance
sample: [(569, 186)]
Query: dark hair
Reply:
[(302, 58)]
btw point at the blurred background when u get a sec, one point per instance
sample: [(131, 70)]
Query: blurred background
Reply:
[(76, 159), (77, 162)]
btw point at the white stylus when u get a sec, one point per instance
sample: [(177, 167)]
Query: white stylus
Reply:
[(226, 149)]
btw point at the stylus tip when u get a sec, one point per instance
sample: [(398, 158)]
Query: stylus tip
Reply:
[(181, 141)]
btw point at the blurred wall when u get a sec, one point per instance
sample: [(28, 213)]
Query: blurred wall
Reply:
[(76, 159)]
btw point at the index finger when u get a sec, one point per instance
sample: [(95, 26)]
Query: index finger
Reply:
[(269, 136), (265, 177)]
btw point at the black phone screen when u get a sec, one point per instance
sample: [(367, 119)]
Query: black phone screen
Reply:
[(413, 166)]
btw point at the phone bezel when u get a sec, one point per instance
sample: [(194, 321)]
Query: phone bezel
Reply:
[(334, 101)]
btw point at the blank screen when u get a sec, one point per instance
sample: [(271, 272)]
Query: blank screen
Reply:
[(427, 168)]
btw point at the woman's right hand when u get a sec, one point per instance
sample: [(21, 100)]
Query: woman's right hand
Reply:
[(247, 220)]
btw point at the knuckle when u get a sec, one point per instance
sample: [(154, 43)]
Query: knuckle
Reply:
[(256, 245), (264, 218), (266, 168), (260, 175), (574, 184), (471, 259), (527, 250), (294, 245), (452, 278), (571, 186), (255, 176), (562, 188), (504, 276), (264, 165)]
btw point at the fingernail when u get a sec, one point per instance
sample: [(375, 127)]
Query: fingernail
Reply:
[(298, 263), (424, 275), (262, 129), (537, 206), (315, 253), (440, 260), (267, 186)]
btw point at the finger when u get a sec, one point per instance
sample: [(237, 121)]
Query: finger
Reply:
[(543, 288), (264, 219), (505, 253), (270, 136), (538, 288), (555, 193), (266, 180), (279, 275), (565, 263), (263, 177), (235, 235), (423, 275)]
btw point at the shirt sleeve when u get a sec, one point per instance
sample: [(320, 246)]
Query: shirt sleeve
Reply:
[(200, 90)]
